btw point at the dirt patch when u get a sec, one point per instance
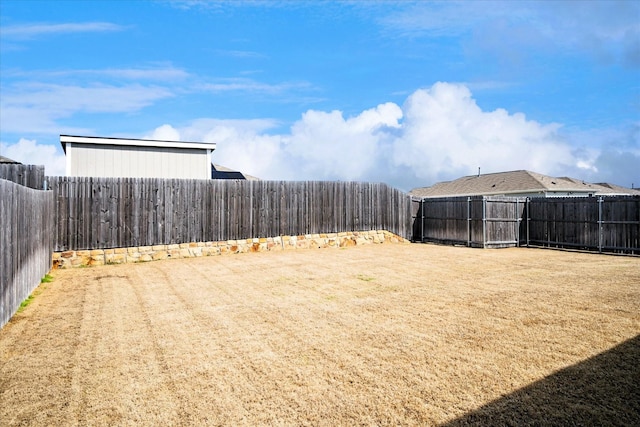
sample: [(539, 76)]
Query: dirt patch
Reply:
[(373, 335)]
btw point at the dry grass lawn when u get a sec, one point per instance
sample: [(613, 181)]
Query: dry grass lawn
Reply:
[(374, 335)]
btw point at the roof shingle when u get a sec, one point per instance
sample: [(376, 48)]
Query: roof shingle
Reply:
[(516, 182)]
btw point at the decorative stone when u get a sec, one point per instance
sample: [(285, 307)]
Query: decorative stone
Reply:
[(67, 259), (160, 255), (96, 260), (115, 259)]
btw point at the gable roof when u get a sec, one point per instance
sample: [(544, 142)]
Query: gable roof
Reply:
[(223, 172), (518, 182), (7, 160), (617, 188)]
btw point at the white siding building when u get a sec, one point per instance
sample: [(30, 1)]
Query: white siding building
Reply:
[(136, 158)]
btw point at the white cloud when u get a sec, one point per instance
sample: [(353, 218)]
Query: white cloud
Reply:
[(616, 160), (248, 54), (617, 166), (242, 144), (158, 73), (164, 133), (439, 133), (30, 152), (220, 5), (445, 134), (332, 147), (165, 73), (259, 155), (436, 19), (36, 108), (607, 31), (249, 85), (96, 98), (33, 30)]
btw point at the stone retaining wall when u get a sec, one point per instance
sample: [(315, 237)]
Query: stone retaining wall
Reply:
[(84, 258)]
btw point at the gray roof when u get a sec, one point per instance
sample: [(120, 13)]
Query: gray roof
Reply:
[(518, 182), (618, 188), (223, 172), (4, 159)]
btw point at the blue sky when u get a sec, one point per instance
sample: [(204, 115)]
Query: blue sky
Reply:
[(407, 93)]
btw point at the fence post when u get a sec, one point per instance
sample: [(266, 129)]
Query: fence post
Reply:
[(468, 221), (517, 222), (422, 224), (527, 201), (600, 202), (484, 222)]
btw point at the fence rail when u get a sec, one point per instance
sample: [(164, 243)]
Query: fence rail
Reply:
[(99, 213), (26, 230)]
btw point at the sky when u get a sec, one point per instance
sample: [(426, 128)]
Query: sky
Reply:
[(401, 92)]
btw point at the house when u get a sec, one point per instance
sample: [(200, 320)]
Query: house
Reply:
[(7, 161), (520, 183), (223, 172), (136, 158)]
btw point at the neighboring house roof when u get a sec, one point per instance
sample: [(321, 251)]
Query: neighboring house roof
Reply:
[(7, 160), (520, 182), (66, 139), (223, 172), (617, 189)]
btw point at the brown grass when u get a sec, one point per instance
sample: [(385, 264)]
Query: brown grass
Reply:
[(375, 335)]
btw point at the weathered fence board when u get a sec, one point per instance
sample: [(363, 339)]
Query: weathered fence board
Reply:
[(604, 224), (106, 212), (96, 213), (31, 176), (26, 239), (502, 217), (473, 221)]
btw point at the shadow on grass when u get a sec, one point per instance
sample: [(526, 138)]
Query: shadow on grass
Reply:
[(602, 390)]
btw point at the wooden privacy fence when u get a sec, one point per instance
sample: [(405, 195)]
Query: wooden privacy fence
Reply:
[(31, 176), (26, 239), (603, 224), (486, 222), (100, 213)]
